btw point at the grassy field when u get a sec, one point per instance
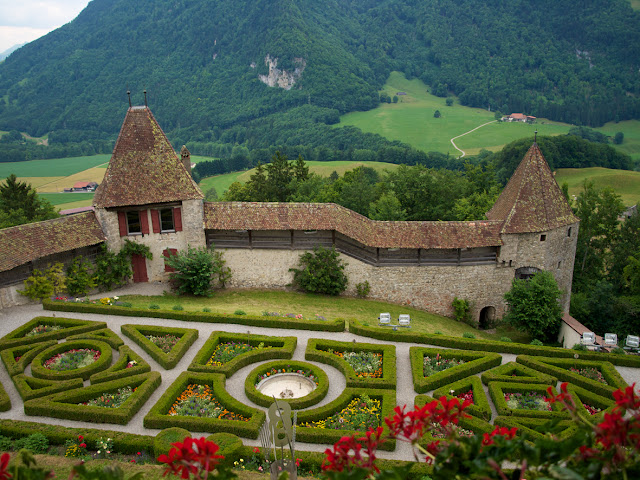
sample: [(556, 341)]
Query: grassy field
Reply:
[(254, 302), (324, 169), (635, 4), (95, 174), (631, 130), (53, 167), (625, 183), (59, 199)]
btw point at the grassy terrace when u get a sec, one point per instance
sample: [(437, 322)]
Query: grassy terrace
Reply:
[(254, 302)]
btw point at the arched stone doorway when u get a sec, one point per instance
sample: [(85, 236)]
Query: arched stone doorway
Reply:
[(525, 273), (487, 317)]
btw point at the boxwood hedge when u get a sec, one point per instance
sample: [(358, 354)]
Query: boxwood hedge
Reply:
[(30, 387), (498, 389), (321, 379), (67, 405), (480, 407), (317, 350), (559, 367), (336, 325), (581, 395), (104, 335), (475, 362), (138, 333), (119, 368), (517, 373), (158, 415), (321, 435), (38, 370), (24, 353), (382, 333), (279, 347), (530, 426), (5, 401), (71, 326)]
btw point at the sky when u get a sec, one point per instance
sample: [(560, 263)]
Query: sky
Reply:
[(25, 20)]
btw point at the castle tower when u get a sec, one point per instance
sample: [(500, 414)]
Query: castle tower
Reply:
[(148, 196), (539, 230)]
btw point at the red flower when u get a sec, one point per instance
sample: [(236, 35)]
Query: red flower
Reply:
[(298, 460), (80, 437), (4, 464), (628, 399), (83, 445), (256, 450), (489, 438), (191, 457)]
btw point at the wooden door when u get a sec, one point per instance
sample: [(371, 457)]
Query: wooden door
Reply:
[(139, 265)]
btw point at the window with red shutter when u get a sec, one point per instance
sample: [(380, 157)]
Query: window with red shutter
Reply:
[(144, 222), (177, 219), (155, 221), (122, 223), (167, 253)]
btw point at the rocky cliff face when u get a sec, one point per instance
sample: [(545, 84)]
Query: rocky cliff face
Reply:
[(282, 78)]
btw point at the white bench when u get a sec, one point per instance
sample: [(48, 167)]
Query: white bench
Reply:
[(404, 320), (384, 319)]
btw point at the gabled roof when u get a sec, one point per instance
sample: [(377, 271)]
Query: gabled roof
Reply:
[(532, 200), (29, 242), (144, 168), (329, 216)]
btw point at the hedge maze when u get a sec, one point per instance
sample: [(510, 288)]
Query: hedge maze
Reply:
[(82, 370)]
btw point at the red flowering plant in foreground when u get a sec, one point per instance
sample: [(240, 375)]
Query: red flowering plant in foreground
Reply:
[(609, 449), (197, 458)]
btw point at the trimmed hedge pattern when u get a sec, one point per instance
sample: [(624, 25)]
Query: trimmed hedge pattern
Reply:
[(560, 368), (104, 335), (320, 435), (39, 371), (480, 407), (527, 426), (5, 401), (498, 389), (26, 353), (581, 395), (30, 387), (166, 360), (119, 368), (281, 347), (317, 351), (296, 403), (381, 333), (523, 374), (71, 326), (475, 362), (65, 405), (336, 325), (158, 417)]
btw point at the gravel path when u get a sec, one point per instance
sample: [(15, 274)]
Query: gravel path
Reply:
[(14, 317)]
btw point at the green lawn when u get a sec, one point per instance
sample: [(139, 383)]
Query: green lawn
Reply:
[(54, 167), (254, 302), (324, 169), (62, 198), (631, 130), (625, 183)]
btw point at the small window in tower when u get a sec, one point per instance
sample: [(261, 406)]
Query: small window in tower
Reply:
[(133, 222), (543, 238), (569, 232), (166, 220)]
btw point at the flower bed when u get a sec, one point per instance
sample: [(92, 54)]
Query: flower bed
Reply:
[(40, 329), (164, 342), (111, 399), (527, 401), (349, 356), (590, 373), (72, 359), (199, 401), (141, 335), (259, 347), (523, 400), (284, 366), (361, 414), (70, 326), (437, 364), (469, 388)]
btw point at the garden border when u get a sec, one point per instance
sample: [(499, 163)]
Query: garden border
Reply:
[(166, 360), (281, 348), (28, 390), (480, 407), (72, 326), (5, 401), (531, 375), (104, 335), (39, 371), (312, 398), (315, 352), (28, 353), (119, 368), (526, 426), (498, 389)]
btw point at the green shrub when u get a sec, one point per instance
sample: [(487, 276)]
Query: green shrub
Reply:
[(154, 306), (6, 444), (163, 440), (111, 269), (580, 347), (618, 351), (44, 284), (35, 443), (177, 308), (230, 446), (438, 332), (197, 270), (79, 278), (320, 272), (505, 339), (239, 312), (468, 335), (206, 309), (536, 342), (461, 310), (363, 289)]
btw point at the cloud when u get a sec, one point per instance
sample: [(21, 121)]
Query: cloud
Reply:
[(47, 14), (10, 36)]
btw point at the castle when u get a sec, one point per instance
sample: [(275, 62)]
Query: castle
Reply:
[(148, 196)]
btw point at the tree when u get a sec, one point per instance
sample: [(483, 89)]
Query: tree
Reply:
[(211, 195), (449, 101), (387, 207), (197, 271), (533, 306), (79, 278), (436, 114), (618, 138), (320, 272), (395, 99), (19, 204)]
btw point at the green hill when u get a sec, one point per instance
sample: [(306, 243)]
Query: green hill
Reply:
[(625, 183)]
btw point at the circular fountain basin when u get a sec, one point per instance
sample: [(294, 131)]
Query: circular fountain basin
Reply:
[(286, 385)]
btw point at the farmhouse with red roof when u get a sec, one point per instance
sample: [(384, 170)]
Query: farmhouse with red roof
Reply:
[(148, 196)]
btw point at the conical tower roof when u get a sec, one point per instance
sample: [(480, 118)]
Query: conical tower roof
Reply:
[(144, 169), (532, 200)]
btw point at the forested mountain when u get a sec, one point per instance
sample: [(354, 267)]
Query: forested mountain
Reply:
[(200, 62)]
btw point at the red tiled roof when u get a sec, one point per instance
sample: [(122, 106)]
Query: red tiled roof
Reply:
[(519, 116), (25, 243), (81, 185), (579, 327), (329, 216), (73, 211), (532, 200), (144, 168)]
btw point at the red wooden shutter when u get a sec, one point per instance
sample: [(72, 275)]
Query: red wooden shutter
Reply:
[(155, 220), (167, 253), (144, 222), (122, 223), (177, 219)]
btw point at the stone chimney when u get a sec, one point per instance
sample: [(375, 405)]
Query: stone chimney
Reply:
[(186, 158)]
